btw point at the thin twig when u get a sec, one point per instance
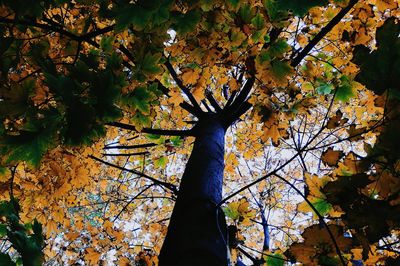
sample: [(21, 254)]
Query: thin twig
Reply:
[(324, 31)]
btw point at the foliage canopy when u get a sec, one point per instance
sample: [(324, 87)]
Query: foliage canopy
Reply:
[(97, 102)]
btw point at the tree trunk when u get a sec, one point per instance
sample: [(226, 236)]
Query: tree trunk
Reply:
[(197, 229)]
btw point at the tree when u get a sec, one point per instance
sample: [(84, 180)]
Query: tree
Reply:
[(308, 113)]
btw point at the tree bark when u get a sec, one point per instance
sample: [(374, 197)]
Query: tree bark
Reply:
[(197, 230)]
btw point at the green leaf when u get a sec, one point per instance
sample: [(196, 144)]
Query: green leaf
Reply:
[(162, 14), (258, 35), (274, 259), (258, 21), (5, 260), (28, 146), (3, 171), (234, 3), (324, 88), (231, 213), (246, 13), (185, 23), (278, 48), (150, 64), (114, 61), (106, 43), (139, 99), (7, 208), (322, 206), (345, 90), (273, 11), (280, 69), (132, 14), (153, 136), (161, 162), (297, 7), (176, 141), (141, 121), (3, 230), (37, 233)]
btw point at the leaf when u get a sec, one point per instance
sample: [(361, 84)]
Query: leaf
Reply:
[(190, 76), (258, 21), (355, 133), (324, 89), (235, 3), (176, 141), (318, 245), (240, 211), (336, 121), (380, 69), (297, 7), (15, 100), (331, 157), (132, 14), (281, 69), (278, 48), (5, 260), (274, 259), (246, 13), (3, 230), (106, 43), (140, 100), (185, 23), (161, 162), (27, 146), (150, 64), (322, 206), (345, 90), (92, 256), (141, 121)]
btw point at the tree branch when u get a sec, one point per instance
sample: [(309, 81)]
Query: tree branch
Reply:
[(126, 154), (322, 33), (131, 200), (204, 102), (184, 89), (167, 185), (243, 94), (213, 102), (188, 107), (131, 147), (167, 132), (164, 132)]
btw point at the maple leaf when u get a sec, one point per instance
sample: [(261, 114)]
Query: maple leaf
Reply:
[(331, 157), (336, 121), (379, 69), (318, 246)]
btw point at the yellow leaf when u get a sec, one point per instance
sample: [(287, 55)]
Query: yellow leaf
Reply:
[(190, 76), (72, 235), (92, 256), (383, 5), (124, 261), (357, 253), (176, 97)]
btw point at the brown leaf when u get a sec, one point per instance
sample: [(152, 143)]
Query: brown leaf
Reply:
[(331, 157), (355, 133), (336, 121), (318, 244)]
